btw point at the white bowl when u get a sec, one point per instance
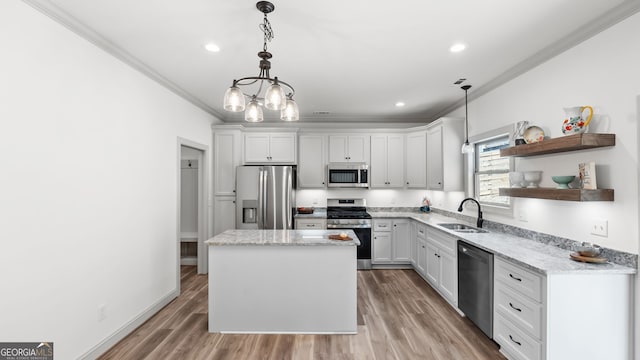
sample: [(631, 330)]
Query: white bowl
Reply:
[(532, 178), (516, 179)]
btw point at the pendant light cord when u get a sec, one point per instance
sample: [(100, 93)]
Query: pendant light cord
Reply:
[(466, 114)]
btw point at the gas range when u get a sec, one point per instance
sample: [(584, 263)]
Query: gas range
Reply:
[(352, 214), (347, 212)]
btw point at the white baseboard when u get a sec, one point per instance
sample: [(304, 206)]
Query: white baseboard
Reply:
[(129, 327), (192, 260), (189, 235)]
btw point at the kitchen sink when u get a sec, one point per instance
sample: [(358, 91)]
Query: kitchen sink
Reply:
[(462, 228)]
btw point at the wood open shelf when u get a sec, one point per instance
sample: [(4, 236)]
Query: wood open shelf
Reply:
[(561, 144), (559, 194)]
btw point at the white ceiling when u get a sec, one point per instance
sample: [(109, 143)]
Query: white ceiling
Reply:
[(353, 59)]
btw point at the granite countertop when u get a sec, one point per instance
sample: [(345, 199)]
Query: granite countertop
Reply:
[(282, 238), (539, 257), (319, 213)]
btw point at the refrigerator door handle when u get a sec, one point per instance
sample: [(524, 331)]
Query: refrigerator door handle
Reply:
[(261, 202)]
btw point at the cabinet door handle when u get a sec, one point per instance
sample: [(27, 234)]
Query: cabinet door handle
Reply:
[(511, 337), (514, 278), (515, 308)]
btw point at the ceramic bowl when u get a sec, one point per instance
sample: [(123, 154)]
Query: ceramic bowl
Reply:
[(532, 178), (516, 179), (563, 181), (588, 249)]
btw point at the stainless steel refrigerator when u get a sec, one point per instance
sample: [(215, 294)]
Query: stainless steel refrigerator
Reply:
[(265, 197)]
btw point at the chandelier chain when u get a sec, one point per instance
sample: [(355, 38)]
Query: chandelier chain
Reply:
[(267, 30)]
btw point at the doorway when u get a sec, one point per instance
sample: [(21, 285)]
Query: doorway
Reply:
[(192, 193)]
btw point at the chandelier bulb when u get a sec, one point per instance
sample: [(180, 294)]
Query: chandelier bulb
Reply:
[(274, 98), (290, 111), (234, 99), (253, 113)]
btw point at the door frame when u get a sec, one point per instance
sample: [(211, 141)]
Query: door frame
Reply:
[(203, 196)]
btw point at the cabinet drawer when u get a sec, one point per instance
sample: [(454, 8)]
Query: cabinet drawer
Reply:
[(514, 341), (445, 241), (520, 279), (382, 225), (518, 309), (311, 224), (421, 231)]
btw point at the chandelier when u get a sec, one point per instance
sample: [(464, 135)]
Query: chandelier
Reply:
[(275, 96)]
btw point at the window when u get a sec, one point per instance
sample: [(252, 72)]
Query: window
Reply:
[(491, 171), (487, 172)]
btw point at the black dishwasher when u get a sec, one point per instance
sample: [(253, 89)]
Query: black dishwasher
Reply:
[(475, 285)]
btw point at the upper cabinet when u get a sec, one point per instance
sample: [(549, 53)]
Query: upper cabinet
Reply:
[(387, 161), (444, 139), (311, 161), (226, 158), (352, 148), (270, 148), (416, 160)]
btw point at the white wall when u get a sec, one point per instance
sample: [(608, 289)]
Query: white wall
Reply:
[(602, 72), (89, 153)]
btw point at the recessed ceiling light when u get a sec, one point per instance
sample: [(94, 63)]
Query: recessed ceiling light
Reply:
[(212, 47), (399, 104), (457, 47)]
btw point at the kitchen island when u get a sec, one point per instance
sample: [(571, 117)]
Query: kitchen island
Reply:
[(282, 281)]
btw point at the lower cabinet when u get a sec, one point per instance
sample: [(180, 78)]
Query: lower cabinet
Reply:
[(441, 264), (552, 316), (311, 223), (391, 242)]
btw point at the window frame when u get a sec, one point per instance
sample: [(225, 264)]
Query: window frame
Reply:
[(470, 159)]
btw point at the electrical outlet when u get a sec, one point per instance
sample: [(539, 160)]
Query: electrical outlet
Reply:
[(102, 312), (600, 227), (522, 216)]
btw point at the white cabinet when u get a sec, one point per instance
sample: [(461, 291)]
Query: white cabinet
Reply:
[(418, 232), (267, 148), (226, 157), (391, 242), (387, 161), (351, 148), (401, 244), (442, 264), (224, 214), (539, 317), (311, 161), (416, 160), (421, 256), (381, 248), (444, 140), (311, 223)]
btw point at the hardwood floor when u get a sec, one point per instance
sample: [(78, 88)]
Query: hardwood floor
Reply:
[(399, 317)]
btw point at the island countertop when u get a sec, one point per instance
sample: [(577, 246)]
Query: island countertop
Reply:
[(282, 238)]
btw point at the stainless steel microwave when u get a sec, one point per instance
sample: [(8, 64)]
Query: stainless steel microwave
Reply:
[(348, 175)]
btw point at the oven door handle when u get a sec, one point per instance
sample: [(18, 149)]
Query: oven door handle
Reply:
[(348, 227)]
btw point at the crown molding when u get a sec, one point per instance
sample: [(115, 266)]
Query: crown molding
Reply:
[(593, 28), (60, 16)]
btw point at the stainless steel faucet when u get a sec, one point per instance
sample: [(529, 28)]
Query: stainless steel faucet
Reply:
[(480, 220)]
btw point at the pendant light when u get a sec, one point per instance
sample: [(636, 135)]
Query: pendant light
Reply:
[(466, 147), (278, 95)]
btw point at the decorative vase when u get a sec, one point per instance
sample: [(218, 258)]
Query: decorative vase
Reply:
[(574, 123)]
